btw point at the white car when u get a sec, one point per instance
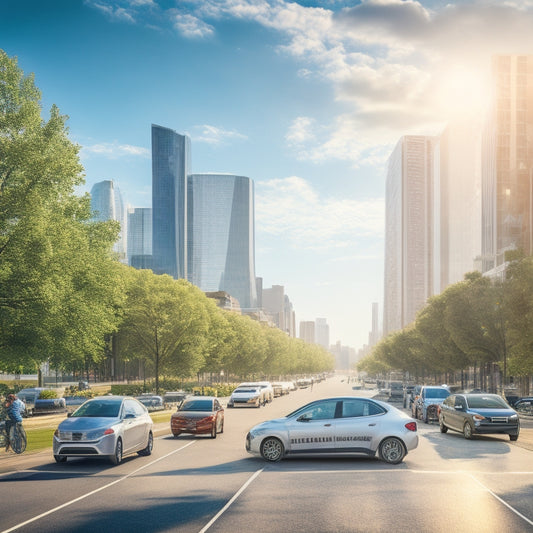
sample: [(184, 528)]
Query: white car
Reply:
[(343, 425), (265, 386), (251, 395)]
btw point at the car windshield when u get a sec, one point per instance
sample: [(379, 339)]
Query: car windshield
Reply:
[(245, 390), (486, 402), (99, 408), (437, 393), (197, 405)]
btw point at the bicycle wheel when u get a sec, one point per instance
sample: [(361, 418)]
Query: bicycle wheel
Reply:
[(3, 438), (17, 437)]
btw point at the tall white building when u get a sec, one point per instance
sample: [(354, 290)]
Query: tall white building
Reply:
[(140, 237), (322, 332), (409, 247)]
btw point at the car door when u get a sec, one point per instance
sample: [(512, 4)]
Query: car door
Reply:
[(133, 426), (447, 409), (312, 430), (358, 426)]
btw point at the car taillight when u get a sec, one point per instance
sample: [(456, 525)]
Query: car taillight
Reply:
[(411, 426), (109, 431)]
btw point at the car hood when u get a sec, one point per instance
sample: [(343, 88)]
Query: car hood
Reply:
[(270, 424), (87, 422), (492, 412), (192, 415)]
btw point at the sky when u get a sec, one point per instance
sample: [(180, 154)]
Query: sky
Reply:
[(307, 98)]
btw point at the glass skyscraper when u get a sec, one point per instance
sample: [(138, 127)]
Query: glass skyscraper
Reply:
[(171, 157), (221, 235), (107, 204), (139, 236)]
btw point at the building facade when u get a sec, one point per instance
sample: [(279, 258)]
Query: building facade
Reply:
[(139, 234), (171, 159), (409, 246), (307, 331), (221, 235), (322, 332)]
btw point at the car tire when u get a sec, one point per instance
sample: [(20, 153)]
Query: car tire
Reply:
[(272, 449), (443, 428), (230, 405), (258, 404), (214, 430), (392, 450), (60, 458), (149, 446), (176, 434), (468, 431), (116, 458), (514, 437), (221, 427)]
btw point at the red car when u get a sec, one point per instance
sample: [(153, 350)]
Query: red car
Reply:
[(198, 415)]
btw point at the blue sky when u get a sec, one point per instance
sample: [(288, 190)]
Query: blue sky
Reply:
[(306, 98)]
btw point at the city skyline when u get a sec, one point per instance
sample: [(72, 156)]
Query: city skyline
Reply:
[(306, 98)]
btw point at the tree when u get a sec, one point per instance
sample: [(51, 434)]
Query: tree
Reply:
[(57, 294), (165, 322)]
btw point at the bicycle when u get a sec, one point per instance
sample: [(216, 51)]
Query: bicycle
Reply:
[(16, 438)]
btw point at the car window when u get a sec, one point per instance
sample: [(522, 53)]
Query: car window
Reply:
[(140, 409), (354, 408), (99, 408), (319, 411), (460, 402), (487, 402), (436, 393), (197, 405)]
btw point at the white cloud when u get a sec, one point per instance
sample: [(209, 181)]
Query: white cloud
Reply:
[(214, 135), (115, 150), (190, 26), (292, 209)]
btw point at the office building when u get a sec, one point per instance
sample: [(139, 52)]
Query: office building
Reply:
[(170, 167), (221, 236), (322, 332), (409, 246), (139, 236), (507, 213), (307, 331), (107, 204)]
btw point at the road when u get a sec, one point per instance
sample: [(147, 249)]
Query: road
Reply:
[(196, 484)]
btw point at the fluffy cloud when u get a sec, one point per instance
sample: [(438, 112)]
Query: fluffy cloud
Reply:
[(291, 208), (115, 150), (214, 135)]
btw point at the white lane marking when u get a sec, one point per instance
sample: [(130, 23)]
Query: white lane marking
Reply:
[(55, 509), (530, 522), (227, 506)]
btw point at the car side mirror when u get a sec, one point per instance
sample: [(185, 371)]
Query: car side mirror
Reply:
[(129, 416)]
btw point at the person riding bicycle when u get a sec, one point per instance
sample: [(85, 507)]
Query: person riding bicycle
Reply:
[(14, 409)]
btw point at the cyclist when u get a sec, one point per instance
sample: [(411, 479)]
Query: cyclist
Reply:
[(14, 409)]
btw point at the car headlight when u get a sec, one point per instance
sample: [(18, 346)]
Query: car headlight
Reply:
[(478, 418), (513, 417)]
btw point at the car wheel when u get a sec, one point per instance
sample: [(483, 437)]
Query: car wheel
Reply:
[(149, 446), (60, 458), (426, 418), (221, 427), (513, 437), (116, 458), (392, 450), (214, 430), (443, 428), (272, 449), (176, 434), (258, 404), (467, 430), (230, 405)]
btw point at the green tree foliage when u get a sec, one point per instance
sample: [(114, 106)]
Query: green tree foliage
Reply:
[(57, 285)]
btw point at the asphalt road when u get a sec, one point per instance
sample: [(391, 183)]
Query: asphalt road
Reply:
[(197, 484)]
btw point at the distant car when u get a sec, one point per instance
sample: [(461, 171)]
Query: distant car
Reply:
[(524, 406), (303, 383), (472, 414), (152, 402), (198, 415), (36, 405), (426, 405), (249, 395), (73, 402), (280, 388), (105, 426), (396, 390), (171, 399), (343, 425)]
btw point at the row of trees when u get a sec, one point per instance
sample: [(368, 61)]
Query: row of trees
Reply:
[(473, 323), (65, 299)]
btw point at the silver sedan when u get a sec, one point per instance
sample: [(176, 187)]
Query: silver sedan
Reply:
[(107, 426), (343, 425)]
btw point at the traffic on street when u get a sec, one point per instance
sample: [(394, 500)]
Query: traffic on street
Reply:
[(196, 483)]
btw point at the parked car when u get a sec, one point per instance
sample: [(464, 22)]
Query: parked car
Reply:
[(36, 405), (73, 402), (303, 383), (524, 406), (105, 426), (152, 402), (280, 388), (250, 395), (265, 386), (426, 405), (174, 399), (343, 425), (472, 414), (198, 415), (396, 390)]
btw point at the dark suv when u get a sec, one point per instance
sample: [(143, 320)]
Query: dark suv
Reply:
[(472, 414)]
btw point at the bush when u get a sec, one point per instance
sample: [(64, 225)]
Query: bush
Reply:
[(47, 394), (127, 390)]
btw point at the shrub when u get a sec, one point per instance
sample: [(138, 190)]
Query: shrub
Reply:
[(47, 394)]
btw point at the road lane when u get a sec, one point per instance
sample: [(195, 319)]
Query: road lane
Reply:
[(446, 484)]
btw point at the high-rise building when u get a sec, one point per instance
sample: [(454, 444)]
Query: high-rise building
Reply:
[(409, 246), (107, 204), (322, 332), (307, 331), (507, 212), (275, 306), (139, 236), (171, 157), (221, 235), (457, 205)]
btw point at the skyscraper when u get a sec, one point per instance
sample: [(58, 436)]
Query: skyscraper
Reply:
[(409, 246), (221, 235), (107, 204), (507, 213), (307, 331), (170, 168), (140, 237)]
